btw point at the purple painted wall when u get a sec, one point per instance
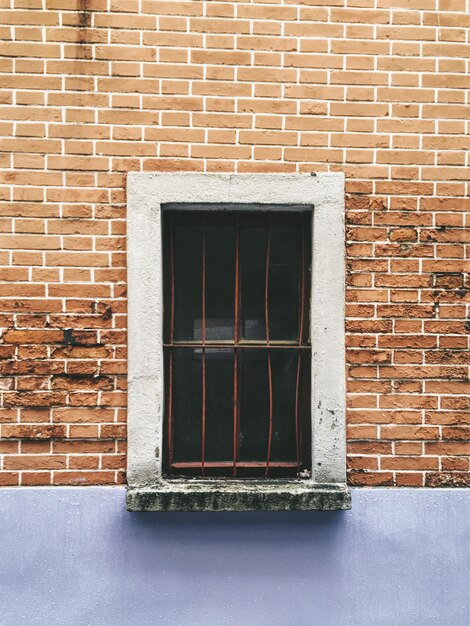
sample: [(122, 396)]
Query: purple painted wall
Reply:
[(75, 556)]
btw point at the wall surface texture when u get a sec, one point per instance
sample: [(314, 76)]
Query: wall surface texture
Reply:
[(75, 556), (91, 89)]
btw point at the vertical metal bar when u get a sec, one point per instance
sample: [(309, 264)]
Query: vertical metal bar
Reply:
[(203, 332), (172, 279), (270, 434), (301, 326), (302, 278), (266, 314), (235, 350), (172, 332), (297, 388), (266, 281)]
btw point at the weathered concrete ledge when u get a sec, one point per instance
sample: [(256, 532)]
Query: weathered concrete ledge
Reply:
[(192, 495)]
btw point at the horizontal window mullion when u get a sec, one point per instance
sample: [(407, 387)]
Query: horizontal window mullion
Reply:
[(214, 346), (229, 464)]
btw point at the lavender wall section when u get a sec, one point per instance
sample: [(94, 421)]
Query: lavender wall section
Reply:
[(76, 557)]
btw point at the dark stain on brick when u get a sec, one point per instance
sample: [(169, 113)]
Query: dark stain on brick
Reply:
[(448, 280), (74, 337), (102, 309), (84, 16), (69, 339), (83, 24)]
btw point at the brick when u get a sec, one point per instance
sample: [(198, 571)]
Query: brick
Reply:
[(83, 415), (9, 478), (83, 446), (33, 336), (32, 479), (444, 479), (455, 464), (409, 479), (365, 478), (409, 463), (26, 461), (83, 477), (41, 431)]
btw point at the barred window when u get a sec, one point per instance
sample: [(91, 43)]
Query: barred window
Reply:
[(236, 341), (236, 367)]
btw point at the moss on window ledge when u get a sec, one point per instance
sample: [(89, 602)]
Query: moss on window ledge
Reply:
[(238, 495)]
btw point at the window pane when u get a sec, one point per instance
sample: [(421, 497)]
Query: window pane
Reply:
[(284, 370), (187, 254), (187, 404), (284, 279), (213, 236), (254, 405), (219, 404), (253, 239), (220, 277)]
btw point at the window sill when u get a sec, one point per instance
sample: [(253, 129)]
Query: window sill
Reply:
[(238, 495)]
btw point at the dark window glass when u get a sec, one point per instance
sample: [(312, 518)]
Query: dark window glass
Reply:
[(253, 239), (187, 381), (237, 359), (187, 257), (284, 280), (220, 275), (219, 404)]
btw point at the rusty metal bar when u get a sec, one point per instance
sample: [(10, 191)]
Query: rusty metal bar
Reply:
[(235, 351), (266, 314), (297, 430), (270, 434), (240, 344), (172, 282), (266, 281), (170, 410), (172, 332), (203, 330), (228, 464), (301, 327), (302, 279)]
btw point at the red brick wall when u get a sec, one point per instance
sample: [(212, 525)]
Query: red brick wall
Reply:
[(91, 89)]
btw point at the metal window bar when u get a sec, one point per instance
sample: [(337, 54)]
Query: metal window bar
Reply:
[(236, 331), (270, 373), (300, 333), (236, 344), (172, 334), (203, 332)]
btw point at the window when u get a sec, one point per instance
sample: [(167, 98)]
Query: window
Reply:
[(236, 342)]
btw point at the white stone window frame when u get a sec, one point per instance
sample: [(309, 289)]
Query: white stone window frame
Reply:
[(148, 489)]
